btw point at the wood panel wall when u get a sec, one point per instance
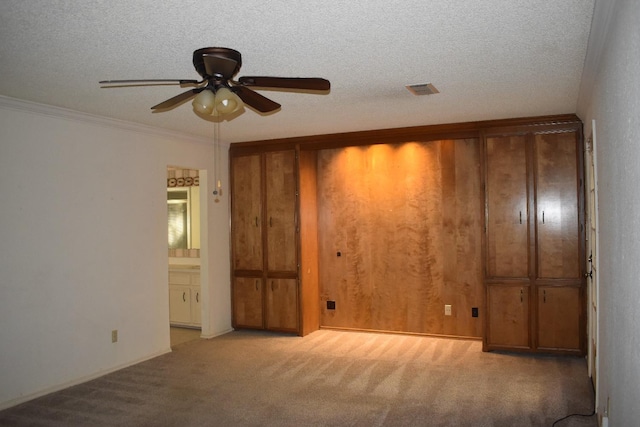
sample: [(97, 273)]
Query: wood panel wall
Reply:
[(399, 236)]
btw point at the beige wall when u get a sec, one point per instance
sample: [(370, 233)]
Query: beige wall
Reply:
[(83, 240), (610, 94)]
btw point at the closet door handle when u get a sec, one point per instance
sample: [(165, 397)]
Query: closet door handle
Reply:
[(184, 297), (197, 296), (256, 221), (272, 286), (521, 295), (270, 222), (520, 217), (543, 217), (257, 282), (544, 296)]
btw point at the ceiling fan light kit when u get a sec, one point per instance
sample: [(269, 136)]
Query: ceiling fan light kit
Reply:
[(223, 101), (218, 93)]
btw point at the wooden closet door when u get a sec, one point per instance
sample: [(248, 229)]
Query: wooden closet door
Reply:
[(508, 316), (559, 318), (247, 302), (557, 206), (282, 304), (246, 217), (507, 215), (281, 211)]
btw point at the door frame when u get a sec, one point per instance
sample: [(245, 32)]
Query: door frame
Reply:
[(592, 246), (205, 287)]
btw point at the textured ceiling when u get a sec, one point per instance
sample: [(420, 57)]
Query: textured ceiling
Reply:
[(489, 59)]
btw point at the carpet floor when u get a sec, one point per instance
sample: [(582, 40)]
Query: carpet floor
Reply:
[(327, 378)]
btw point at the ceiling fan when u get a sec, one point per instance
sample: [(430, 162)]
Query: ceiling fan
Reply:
[(218, 93)]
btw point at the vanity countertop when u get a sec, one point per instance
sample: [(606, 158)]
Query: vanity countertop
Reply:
[(184, 267)]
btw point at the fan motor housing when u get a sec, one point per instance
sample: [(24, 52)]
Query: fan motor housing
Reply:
[(224, 52)]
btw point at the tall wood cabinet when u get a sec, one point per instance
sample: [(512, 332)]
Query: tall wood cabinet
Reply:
[(533, 233), (265, 241), (494, 210)]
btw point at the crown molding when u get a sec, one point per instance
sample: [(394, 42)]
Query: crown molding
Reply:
[(65, 113)]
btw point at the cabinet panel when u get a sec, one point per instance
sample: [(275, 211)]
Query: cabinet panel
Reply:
[(246, 214), (281, 211), (247, 302), (557, 206), (184, 297), (508, 316), (179, 304), (559, 318), (539, 170), (282, 304), (507, 215)]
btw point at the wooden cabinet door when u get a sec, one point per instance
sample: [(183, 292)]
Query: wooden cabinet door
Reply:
[(559, 318), (246, 216), (282, 304), (507, 217), (508, 316), (281, 211), (179, 304), (247, 302), (557, 219)]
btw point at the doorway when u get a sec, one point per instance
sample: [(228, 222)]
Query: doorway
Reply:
[(187, 279)]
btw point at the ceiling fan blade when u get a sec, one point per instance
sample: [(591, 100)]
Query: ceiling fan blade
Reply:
[(218, 65), (176, 99), (311, 83), (255, 100), (149, 81)]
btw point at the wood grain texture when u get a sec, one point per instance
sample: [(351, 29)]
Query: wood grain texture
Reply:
[(559, 318), (508, 316), (308, 223), (247, 302), (507, 213), (399, 231), (557, 206), (282, 304), (280, 218), (246, 217)]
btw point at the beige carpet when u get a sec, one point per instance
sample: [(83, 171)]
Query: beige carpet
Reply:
[(328, 378), (182, 335)]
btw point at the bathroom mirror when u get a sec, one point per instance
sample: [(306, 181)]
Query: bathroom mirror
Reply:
[(183, 218)]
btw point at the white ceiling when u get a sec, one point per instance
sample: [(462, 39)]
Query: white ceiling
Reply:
[(490, 59)]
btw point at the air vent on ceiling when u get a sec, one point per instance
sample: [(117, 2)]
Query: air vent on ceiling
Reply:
[(422, 89)]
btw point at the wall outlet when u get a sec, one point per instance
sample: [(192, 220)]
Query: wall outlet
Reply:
[(114, 335), (447, 309), (474, 311), (331, 305)]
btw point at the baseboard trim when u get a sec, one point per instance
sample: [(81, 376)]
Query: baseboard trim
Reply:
[(419, 334), (22, 399), (215, 334)]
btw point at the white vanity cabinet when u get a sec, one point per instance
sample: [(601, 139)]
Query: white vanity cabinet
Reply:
[(184, 297)]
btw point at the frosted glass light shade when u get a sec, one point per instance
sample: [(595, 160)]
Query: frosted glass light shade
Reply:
[(204, 102), (227, 102)]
